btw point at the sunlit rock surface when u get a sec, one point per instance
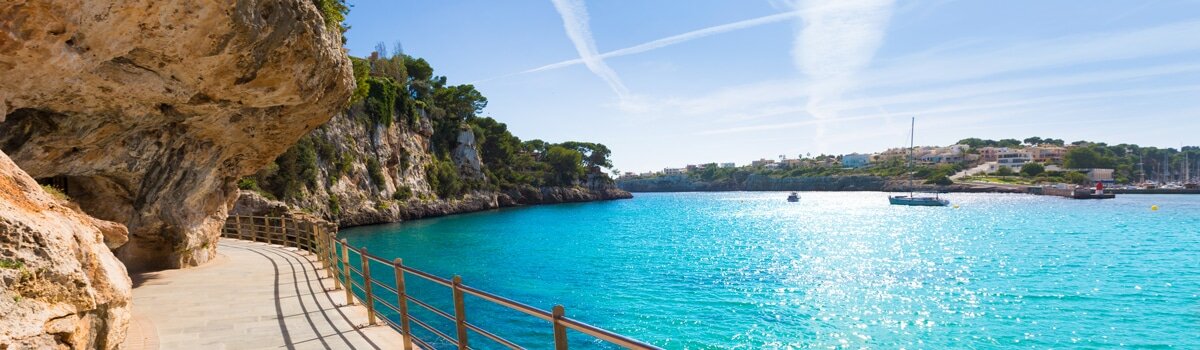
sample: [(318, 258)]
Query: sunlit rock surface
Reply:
[(60, 285), (150, 110)]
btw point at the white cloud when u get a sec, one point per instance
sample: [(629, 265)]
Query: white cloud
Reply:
[(575, 22), (676, 39), (1025, 105), (835, 41)]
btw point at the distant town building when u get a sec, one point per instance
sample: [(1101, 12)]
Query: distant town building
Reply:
[(674, 171), (762, 162), (1099, 175), (1013, 159), (728, 165), (1047, 153), (792, 162), (855, 160)]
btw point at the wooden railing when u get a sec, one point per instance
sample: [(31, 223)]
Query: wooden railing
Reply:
[(335, 259)]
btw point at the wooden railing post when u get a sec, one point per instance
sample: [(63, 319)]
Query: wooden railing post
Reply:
[(402, 303), (330, 248), (287, 237), (560, 331), (460, 313), (346, 273), (237, 219), (366, 273)]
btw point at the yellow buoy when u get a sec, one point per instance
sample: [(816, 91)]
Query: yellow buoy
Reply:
[(956, 206), (1153, 207)]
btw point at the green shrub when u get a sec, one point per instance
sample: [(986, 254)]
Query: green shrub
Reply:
[(362, 70), (1005, 171), (248, 183), (1032, 169), (443, 178), (295, 170), (11, 264), (334, 12), (375, 172), (56, 193), (403, 193), (1077, 178), (381, 99), (335, 205)]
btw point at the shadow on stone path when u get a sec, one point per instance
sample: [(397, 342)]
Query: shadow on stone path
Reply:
[(253, 296)]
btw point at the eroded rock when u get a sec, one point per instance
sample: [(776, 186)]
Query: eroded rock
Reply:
[(60, 285), (150, 109)]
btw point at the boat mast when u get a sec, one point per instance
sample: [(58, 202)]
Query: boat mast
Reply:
[(1166, 166), (912, 132)]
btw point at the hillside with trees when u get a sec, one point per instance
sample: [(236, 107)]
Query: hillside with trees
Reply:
[(412, 145)]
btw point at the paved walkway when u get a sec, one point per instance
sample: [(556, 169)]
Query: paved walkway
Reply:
[(253, 296)]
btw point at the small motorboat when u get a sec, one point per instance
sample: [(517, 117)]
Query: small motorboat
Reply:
[(793, 197)]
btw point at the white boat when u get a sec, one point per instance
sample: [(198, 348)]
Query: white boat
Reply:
[(912, 199)]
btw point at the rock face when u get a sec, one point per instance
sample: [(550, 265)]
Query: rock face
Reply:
[(348, 194), (60, 286), (150, 109)]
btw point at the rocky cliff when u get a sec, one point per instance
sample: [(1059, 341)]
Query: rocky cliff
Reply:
[(60, 286), (150, 110), (362, 172)]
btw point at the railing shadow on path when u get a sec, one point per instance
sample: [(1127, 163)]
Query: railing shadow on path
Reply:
[(333, 255)]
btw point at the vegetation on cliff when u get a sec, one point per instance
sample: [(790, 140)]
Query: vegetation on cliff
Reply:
[(401, 92)]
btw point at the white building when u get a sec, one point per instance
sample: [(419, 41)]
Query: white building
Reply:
[(674, 171), (1013, 159), (855, 160), (728, 165)]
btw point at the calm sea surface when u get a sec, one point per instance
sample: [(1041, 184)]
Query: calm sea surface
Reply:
[(838, 269)]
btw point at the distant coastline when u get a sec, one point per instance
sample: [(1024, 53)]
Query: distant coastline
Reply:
[(756, 182)]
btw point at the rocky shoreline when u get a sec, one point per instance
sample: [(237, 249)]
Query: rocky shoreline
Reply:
[(252, 203)]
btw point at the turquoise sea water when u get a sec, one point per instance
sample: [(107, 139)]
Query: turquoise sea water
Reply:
[(838, 269)]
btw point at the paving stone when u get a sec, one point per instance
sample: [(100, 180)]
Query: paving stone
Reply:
[(253, 296)]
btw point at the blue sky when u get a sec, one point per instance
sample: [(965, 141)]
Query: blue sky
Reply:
[(670, 83)]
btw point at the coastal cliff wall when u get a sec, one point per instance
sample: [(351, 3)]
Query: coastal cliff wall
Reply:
[(367, 173), (60, 285), (150, 110)]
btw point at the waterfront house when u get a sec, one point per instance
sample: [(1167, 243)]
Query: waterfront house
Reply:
[(674, 171), (728, 165), (1013, 159), (855, 160)]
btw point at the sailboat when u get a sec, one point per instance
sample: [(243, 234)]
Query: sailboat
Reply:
[(911, 198)]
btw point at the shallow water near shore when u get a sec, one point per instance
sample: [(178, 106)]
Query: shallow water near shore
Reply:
[(838, 269)]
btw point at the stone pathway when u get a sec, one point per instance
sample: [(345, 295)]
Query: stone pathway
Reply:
[(254, 296)]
